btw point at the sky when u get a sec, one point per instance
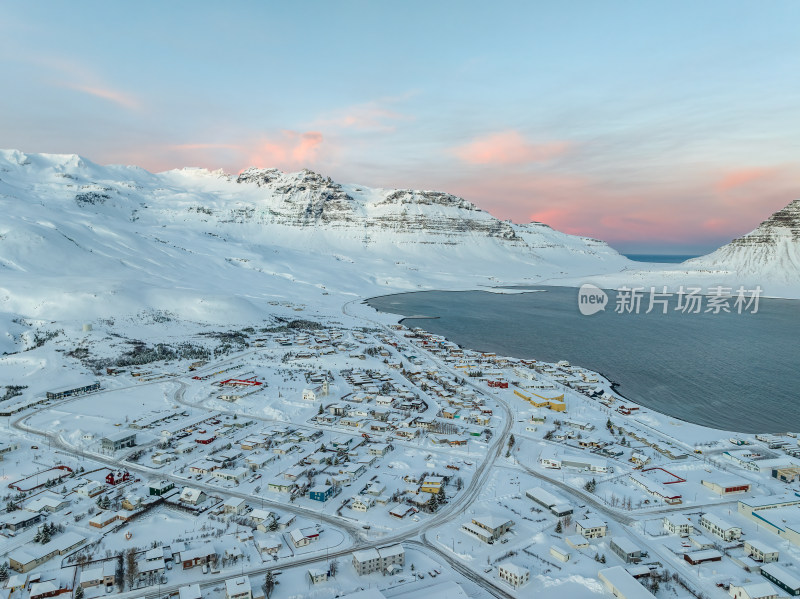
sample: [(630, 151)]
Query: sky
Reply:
[(659, 127)]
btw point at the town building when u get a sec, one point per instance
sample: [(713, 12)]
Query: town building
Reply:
[(72, 391), (557, 506), (27, 557), (703, 556), (560, 553), (190, 591), (104, 575), (103, 519), (622, 585), (303, 537), (678, 524), (726, 485), (779, 514), (626, 550), (516, 576), (269, 546), (197, 556), (192, 496), (591, 528), (362, 503), (754, 590), (720, 527), (384, 559), (488, 528), (234, 505), (118, 440), (317, 575), (782, 578), (320, 493), (238, 588), (47, 503), (19, 520), (235, 475), (787, 474), (761, 552)]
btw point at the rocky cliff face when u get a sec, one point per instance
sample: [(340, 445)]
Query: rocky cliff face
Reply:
[(784, 224), (308, 199), (771, 250)]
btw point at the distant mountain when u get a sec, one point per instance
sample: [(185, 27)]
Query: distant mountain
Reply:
[(771, 251), (79, 240)]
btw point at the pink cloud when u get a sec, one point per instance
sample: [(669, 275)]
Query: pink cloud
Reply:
[(743, 176), (680, 210), (291, 150), (509, 147)]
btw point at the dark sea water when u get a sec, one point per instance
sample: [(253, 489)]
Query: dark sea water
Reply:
[(660, 258), (738, 372)]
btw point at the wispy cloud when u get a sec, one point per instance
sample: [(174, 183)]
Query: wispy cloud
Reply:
[(106, 93), (206, 146), (379, 115), (509, 148), (63, 72)]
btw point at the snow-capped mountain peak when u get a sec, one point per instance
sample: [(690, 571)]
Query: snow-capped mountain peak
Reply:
[(772, 250), (81, 240)]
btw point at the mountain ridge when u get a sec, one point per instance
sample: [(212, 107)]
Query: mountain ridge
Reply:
[(119, 239)]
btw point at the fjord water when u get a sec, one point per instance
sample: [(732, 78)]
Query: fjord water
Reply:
[(738, 372)]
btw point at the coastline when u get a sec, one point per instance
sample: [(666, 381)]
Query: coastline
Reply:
[(613, 386)]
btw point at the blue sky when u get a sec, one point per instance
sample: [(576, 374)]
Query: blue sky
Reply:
[(657, 126)]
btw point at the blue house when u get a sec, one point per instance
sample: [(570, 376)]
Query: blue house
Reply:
[(320, 492)]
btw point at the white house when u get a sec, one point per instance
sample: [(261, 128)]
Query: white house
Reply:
[(190, 591), (384, 559), (591, 528), (761, 551), (238, 588), (303, 537), (678, 524), (559, 553), (90, 489), (234, 505), (756, 590), (46, 503), (231, 474), (270, 545), (514, 575), (720, 527), (317, 575), (192, 496)]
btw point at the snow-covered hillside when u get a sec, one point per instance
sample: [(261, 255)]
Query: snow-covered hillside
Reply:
[(83, 241)]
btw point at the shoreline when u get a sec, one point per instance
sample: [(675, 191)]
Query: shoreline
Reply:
[(612, 385)]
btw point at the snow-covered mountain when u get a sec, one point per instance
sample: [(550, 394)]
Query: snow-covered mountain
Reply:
[(83, 241), (768, 257), (771, 251)]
